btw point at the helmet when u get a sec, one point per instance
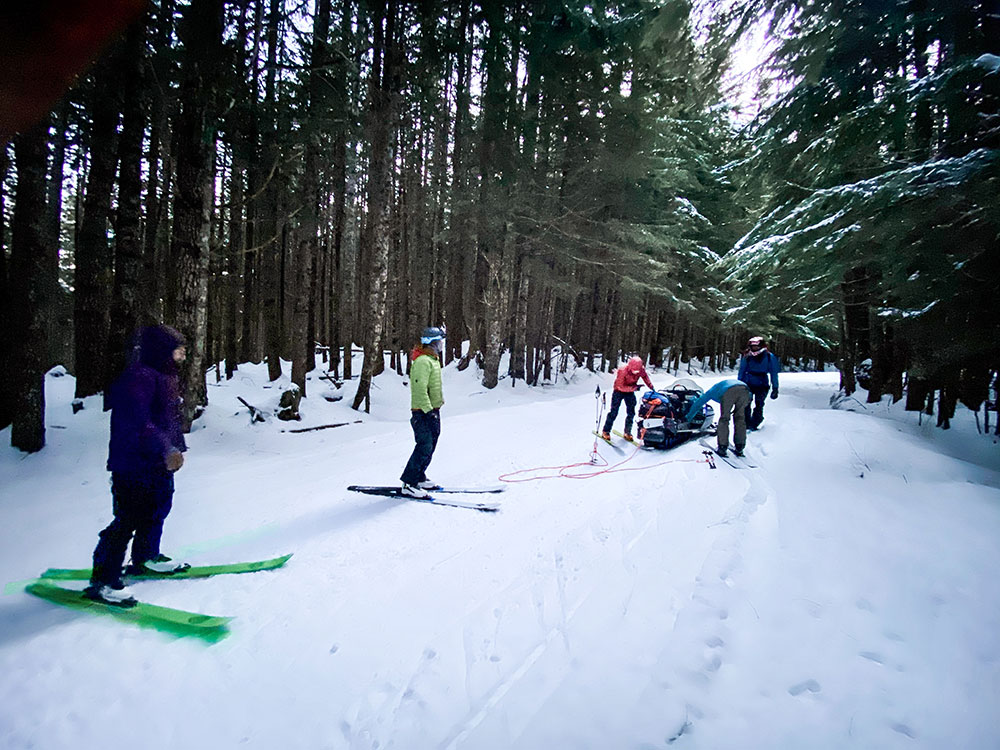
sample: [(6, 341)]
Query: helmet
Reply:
[(432, 334), (755, 342)]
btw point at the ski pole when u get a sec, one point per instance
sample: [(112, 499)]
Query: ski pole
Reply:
[(600, 402)]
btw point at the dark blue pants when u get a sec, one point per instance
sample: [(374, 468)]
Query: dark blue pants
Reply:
[(426, 430), (140, 503), (755, 417), (616, 401)]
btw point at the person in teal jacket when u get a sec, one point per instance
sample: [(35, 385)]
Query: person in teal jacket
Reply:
[(426, 400), (734, 398)]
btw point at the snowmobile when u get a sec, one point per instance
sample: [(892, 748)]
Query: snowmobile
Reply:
[(662, 418)]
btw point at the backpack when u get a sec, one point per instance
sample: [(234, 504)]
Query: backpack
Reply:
[(662, 418)]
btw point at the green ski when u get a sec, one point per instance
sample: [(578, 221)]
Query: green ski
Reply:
[(200, 571), (176, 622)]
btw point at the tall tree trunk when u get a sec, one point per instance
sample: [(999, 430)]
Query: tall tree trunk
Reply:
[(201, 35), (235, 265), (130, 306), (30, 280), (158, 161), (92, 309), (493, 227), (519, 334), (56, 334), (461, 251), (7, 371), (339, 294), (268, 240), (302, 346), (375, 239), (250, 343)]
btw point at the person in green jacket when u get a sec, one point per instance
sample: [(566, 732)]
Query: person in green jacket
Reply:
[(426, 400)]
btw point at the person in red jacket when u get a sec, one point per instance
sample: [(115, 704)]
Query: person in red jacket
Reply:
[(626, 384)]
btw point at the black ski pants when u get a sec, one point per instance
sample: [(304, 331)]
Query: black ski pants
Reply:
[(616, 401), (755, 417), (140, 503), (426, 430)]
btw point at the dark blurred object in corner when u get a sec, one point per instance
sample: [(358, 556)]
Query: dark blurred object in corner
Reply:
[(45, 45)]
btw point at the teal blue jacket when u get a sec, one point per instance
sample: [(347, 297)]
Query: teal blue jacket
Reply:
[(712, 394)]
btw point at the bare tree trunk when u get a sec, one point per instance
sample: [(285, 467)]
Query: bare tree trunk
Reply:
[(269, 241), (339, 294), (519, 343), (30, 266), (235, 264), (158, 160), (57, 325), (195, 135), (375, 238), (7, 370), (302, 346), (494, 231), (129, 304), (460, 249), (93, 281)]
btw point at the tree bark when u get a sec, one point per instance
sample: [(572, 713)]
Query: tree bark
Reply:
[(302, 345), (30, 280), (94, 263), (201, 35), (375, 239), (494, 170), (7, 372), (130, 306), (234, 267), (268, 240)]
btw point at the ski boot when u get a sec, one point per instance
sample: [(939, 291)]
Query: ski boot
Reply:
[(409, 490), (159, 565), (110, 593)]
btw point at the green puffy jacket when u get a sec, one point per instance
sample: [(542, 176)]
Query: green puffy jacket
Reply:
[(425, 382)]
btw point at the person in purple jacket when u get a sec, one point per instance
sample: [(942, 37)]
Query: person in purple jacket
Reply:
[(146, 448), (759, 369)]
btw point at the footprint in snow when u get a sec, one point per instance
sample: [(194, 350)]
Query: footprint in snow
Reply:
[(872, 656), (809, 685), (903, 729)]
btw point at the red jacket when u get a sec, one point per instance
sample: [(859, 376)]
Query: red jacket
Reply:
[(629, 374)]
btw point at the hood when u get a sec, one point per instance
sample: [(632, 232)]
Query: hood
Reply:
[(421, 350), (156, 347), (635, 364)]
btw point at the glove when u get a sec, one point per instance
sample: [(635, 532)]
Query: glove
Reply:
[(175, 460), (774, 393)]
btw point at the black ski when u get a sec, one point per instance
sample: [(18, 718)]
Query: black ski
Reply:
[(484, 490), (485, 506), (388, 489)]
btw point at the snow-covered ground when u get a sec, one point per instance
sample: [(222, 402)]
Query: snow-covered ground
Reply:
[(842, 595)]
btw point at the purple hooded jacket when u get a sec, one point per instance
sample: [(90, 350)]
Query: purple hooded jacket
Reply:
[(145, 406)]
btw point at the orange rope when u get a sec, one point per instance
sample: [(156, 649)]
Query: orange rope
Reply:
[(565, 472)]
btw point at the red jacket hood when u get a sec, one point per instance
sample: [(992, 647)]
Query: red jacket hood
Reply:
[(420, 350)]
